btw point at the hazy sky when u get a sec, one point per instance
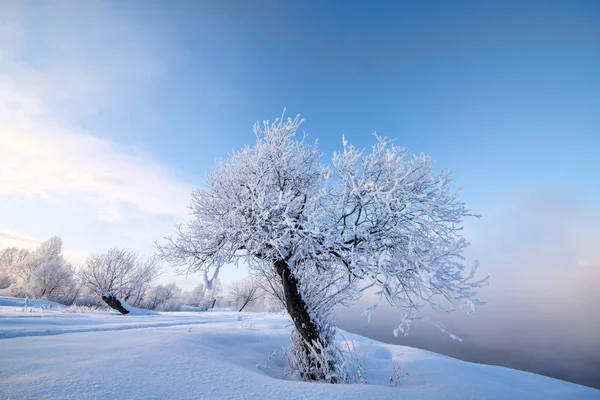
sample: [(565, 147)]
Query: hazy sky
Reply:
[(110, 112)]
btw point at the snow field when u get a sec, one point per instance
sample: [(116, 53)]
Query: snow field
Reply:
[(49, 354)]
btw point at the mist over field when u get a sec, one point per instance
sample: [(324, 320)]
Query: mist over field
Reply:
[(541, 252)]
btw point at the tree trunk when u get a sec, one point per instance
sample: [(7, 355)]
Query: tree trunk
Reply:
[(296, 306), (241, 308), (249, 298), (115, 303)]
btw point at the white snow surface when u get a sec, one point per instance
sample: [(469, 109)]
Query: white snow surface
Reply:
[(52, 354)]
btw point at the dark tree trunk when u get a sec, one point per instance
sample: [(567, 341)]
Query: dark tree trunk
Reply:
[(249, 298), (242, 307), (296, 306), (115, 303)]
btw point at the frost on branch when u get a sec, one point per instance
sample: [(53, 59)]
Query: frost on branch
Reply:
[(400, 225), (379, 219)]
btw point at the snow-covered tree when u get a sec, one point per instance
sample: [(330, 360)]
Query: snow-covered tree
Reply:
[(199, 299), (42, 273), (213, 293), (160, 295), (49, 251), (245, 292), (197, 294), (379, 218), (53, 281), (119, 275), (10, 257)]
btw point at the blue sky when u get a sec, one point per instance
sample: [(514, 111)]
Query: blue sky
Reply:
[(110, 112), (497, 92)]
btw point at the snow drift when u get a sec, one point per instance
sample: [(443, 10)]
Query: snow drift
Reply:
[(49, 353)]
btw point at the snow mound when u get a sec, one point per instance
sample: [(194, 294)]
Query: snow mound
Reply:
[(223, 355), (16, 302), (136, 311)]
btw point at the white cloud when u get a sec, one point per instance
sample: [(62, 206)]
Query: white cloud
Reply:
[(87, 56), (9, 239), (40, 157)]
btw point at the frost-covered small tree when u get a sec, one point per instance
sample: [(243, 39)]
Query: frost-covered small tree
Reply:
[(42, 273), (49, 251), (213, 293), (120, 275), (245, 292), (161, 297), (10, 257), (378, 218), (197, 294), (53, 281)]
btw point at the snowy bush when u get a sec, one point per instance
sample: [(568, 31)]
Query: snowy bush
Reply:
[(76, 308), (397, 373), (16, 290), (329, 363)]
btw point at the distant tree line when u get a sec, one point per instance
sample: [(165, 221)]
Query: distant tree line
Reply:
[(116, 278), (119, 278)]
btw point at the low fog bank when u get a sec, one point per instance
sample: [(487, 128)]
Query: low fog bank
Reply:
[(541, 315)]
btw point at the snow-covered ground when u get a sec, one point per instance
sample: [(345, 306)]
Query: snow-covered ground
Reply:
[(52, 354)]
